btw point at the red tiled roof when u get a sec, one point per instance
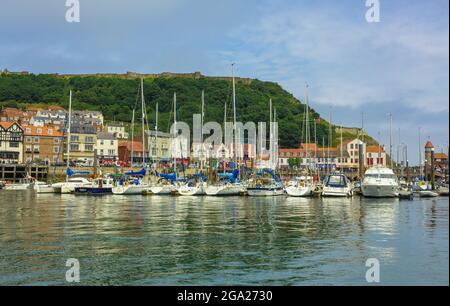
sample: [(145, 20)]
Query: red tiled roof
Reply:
[(375, 149), (44, 131), (6, 125), (440, 156), (429, 145)]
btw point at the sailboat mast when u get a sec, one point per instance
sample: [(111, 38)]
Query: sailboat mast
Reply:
[(234, 116), (329, 144), (420, 153), (132, 139), (175, 130), (156, 135), (270, 133), (201, 131), (143, 121), (68, 132), (307, 132), (342, 148), (390, 139)]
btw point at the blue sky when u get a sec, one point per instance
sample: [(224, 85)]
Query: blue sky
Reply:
[(399, 65)]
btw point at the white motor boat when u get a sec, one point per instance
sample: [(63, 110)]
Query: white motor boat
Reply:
[(380, 182), (300, 187), (337, 185), (70, 185), (23, 184)]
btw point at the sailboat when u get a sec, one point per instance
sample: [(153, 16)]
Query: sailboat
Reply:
[(133, 182), (167, 183), (303, 186), (266, 182), (197, 186), (73, 179), (229, 183)]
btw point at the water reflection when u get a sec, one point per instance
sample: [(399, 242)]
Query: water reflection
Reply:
[(209, 240)]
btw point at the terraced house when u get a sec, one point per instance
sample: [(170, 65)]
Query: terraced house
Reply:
[(11, 143), (83, 140), (42, 144)]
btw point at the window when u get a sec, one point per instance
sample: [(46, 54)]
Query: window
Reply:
[(111, 152), (36, 139), (36, 148), (50, 132), (56, 150), (39, 131), (101, 151), (74, 147), (101, 142), (28, 139), (13, 144), (28, 148), (28, 130), (89, 139), (56, 140), (89, 147), (112, 142), (74, 138)]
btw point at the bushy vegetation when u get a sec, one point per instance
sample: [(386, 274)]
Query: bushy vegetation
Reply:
[(116, 97)]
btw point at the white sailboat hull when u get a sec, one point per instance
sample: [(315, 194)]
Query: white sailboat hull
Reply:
[(18, 187), (163, 190), (44, 189), (191, 191), (225, 190), (129, 189), (299, 191), (265, 192)]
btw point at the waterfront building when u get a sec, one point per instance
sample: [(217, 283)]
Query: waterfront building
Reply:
[(375, 156), (83, 140), (117, 129), (160, 146), (88, 117), (11, 143), (126, 148), (107, 147), (42, 144), (10, 114), (54, 116)]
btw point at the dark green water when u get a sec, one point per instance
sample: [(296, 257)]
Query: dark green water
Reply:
[(140, 240)]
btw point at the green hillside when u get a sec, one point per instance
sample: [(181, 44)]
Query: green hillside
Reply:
[(116, 96)]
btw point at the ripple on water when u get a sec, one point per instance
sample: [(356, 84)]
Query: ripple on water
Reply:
[(159, 240)]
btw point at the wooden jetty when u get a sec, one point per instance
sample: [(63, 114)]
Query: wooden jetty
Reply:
[(15, 172)]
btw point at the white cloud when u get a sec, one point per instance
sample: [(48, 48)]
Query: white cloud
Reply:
[(348, 61)]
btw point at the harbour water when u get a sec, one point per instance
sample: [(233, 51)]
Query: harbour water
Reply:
[(151, 240)]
